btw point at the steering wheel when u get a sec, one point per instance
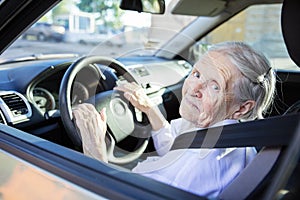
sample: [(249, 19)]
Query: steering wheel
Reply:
[(121, 118)]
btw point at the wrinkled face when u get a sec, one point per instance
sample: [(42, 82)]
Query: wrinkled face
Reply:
[(207, 93)]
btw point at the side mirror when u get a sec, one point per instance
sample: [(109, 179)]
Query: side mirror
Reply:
[(148, 6)]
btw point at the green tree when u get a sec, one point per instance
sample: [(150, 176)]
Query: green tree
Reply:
[(62, 8), (109, 12)]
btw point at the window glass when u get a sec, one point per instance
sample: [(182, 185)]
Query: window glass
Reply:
[(258, 26), (100, 27)]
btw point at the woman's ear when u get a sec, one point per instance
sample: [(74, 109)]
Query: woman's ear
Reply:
[(243, 109)]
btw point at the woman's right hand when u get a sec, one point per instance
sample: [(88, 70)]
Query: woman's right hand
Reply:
[(137, 96), (139, 99)]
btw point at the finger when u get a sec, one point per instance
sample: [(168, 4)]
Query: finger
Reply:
[(88, 106), (127, 87), (122, 87), (76, 114), (132, 86), (89, 110), (81, 113), (103, 115), (135, 84), (139, 92), (119, 88), (130, 97), (80, 107)]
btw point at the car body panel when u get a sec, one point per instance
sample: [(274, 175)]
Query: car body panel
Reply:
[(68, 167), (32, 182)]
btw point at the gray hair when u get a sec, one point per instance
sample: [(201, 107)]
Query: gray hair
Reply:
[(258, 81)]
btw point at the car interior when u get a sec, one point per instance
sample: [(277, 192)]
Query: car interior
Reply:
[(23, 114)]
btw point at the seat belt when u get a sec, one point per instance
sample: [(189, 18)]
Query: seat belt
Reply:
[(273, 131), (253, 174)]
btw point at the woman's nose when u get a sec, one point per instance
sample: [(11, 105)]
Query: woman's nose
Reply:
[(198, 94), (197, 89)]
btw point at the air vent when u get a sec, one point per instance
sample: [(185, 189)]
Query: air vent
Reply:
[(15, 104)]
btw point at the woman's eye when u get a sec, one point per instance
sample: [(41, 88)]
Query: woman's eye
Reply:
[(215, 87), (196, 74)]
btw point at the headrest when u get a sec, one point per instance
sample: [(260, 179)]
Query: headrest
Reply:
[(290, 23)]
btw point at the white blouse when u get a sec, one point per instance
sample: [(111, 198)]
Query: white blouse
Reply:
[(205, 172)]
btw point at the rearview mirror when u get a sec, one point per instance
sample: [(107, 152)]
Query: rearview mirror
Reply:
[(148, 6)]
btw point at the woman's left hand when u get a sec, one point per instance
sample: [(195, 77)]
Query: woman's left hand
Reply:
[(92, 127)]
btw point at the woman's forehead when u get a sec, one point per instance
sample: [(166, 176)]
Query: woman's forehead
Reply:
[(217, 64)]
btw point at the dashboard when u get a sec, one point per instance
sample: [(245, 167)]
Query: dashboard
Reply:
[(35, 85)]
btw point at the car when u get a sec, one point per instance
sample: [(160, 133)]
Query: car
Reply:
[(45, 31), (41, 154)]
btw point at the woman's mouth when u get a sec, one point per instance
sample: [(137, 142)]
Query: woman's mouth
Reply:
[(191, 102)]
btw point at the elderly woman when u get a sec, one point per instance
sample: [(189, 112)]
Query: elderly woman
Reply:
[(229, 84)]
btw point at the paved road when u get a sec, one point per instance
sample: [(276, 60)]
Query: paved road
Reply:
[(24, 48)]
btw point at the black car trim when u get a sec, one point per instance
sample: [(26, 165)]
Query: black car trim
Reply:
[(83, 171), (23, 13)]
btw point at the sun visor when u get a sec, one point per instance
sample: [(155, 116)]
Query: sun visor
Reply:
[(199, 7)]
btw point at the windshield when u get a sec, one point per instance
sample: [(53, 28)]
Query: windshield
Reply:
[(100, 27)]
